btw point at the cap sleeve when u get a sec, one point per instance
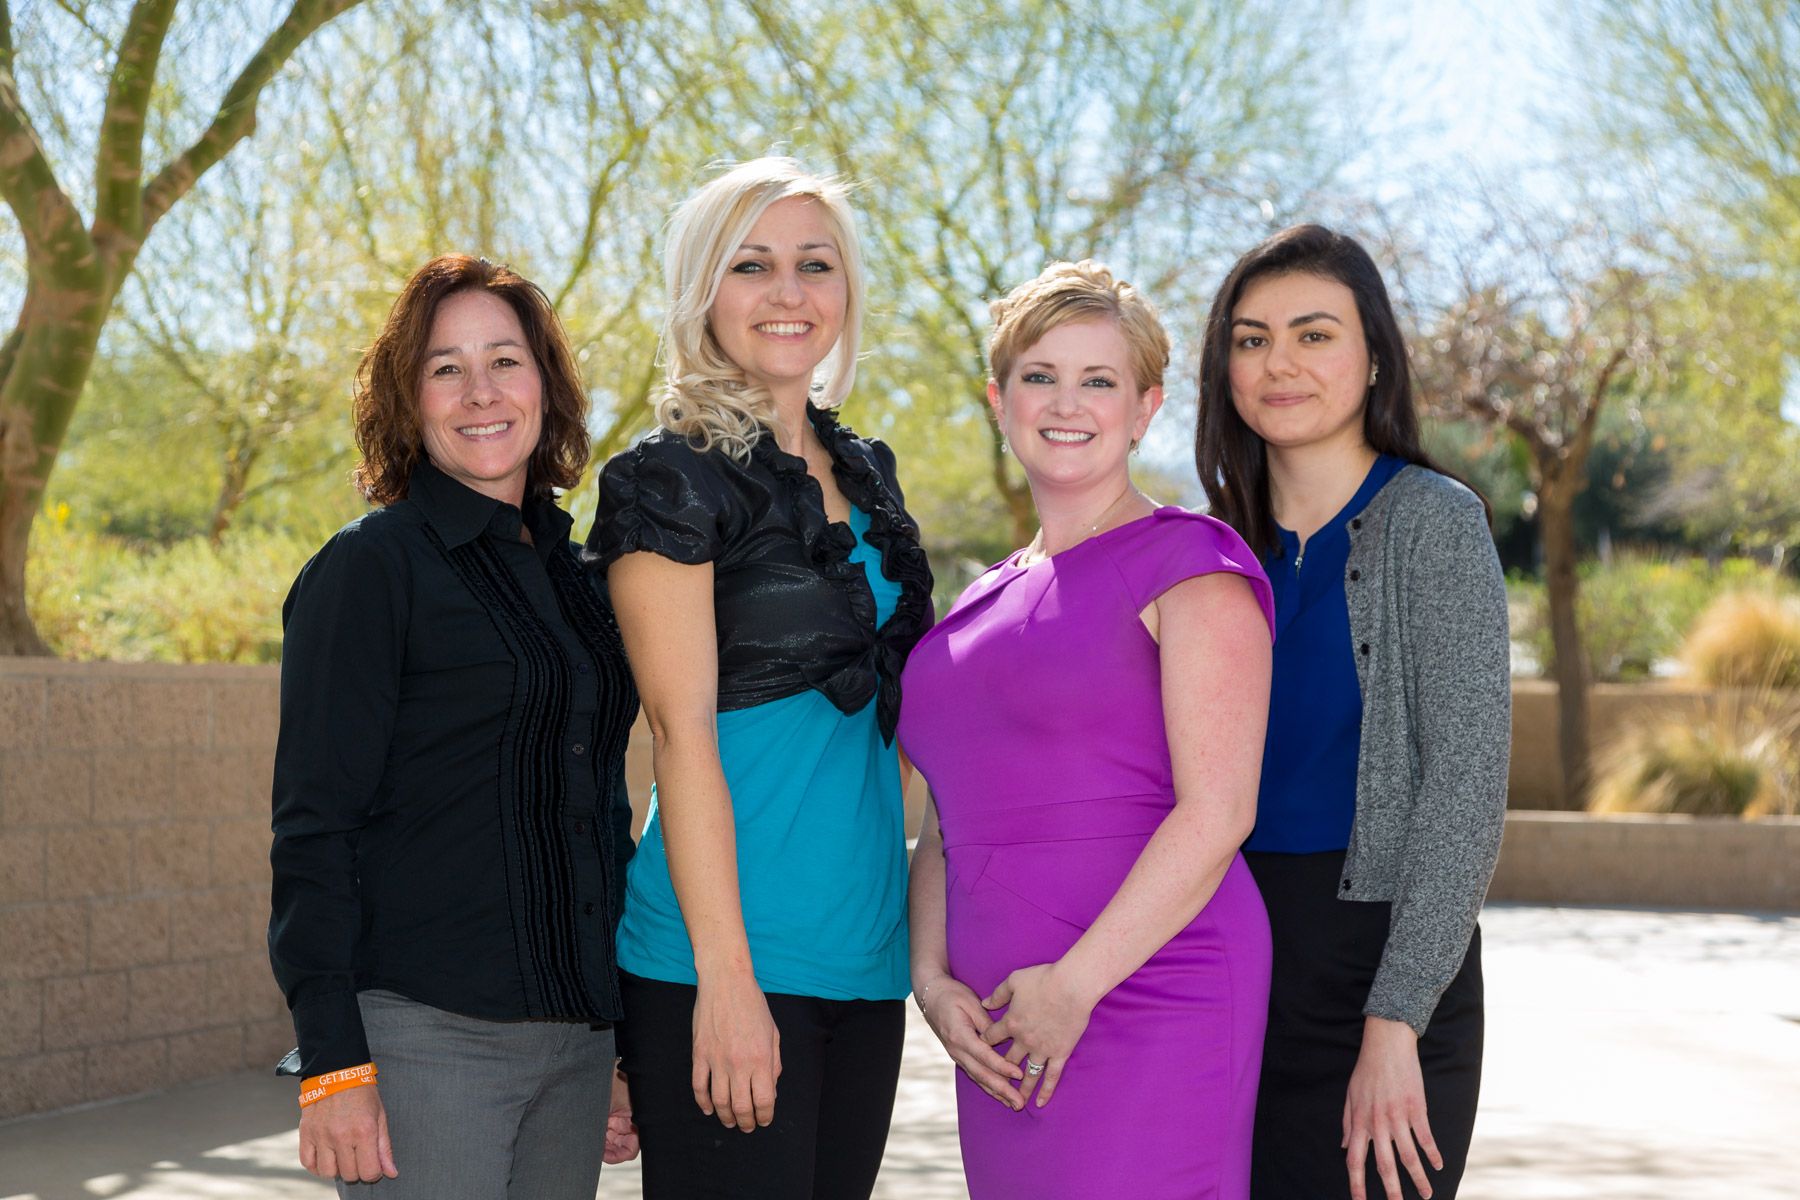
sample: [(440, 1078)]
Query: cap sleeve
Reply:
[(1175, 545), (657, 496)]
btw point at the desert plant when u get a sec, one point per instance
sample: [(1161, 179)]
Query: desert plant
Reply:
[(1634, 610), (1739, 760), (98, 596), (1746, 639)]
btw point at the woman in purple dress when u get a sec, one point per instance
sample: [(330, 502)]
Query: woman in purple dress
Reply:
[(1086, 940)]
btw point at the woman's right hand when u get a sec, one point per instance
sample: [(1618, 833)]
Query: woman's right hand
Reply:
[(345, 1136), (955, 1014), (737, 1053)]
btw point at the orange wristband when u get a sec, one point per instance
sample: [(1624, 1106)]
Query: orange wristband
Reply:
[(332, 1082)]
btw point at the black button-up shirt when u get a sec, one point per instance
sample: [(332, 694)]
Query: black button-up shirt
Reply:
[(450, 814)]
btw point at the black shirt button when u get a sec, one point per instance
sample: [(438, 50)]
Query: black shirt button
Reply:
[(579, 749), (587, 910), (581, 668), (1365, 649), (581, 827), (1355, 575)]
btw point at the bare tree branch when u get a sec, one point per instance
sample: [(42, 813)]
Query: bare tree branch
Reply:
[(236, 117), (119, 159)]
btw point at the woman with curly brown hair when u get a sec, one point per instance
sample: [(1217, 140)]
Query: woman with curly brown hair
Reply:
[(451, 823)]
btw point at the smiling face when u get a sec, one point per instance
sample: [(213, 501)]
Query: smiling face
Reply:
[(481, 398), (1070, 406), (780, 307), (1299, 365)]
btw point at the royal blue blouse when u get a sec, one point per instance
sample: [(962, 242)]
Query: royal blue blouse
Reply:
[(1308, 796)]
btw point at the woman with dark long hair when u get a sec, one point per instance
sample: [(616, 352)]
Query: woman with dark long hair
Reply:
[(1383, 785)]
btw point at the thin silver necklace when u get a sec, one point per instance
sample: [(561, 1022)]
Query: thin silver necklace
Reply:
[(1034, 553)]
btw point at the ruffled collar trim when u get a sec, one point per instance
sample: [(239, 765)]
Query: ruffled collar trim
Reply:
[(829, 544)]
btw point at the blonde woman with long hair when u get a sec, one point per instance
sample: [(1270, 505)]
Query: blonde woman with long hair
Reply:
[(769, 585)]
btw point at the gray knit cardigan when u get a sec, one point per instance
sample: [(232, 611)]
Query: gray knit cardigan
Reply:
[(1428, 629)]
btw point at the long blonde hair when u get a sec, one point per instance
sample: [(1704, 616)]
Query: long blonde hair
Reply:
[(706, 396)]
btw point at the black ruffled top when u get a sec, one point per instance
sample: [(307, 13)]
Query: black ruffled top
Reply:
[(792, 611)]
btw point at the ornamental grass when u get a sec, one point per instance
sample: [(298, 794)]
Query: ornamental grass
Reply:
[(1741, 758), (1746, 639)]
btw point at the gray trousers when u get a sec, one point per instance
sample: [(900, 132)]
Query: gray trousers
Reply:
[(487, 1110)]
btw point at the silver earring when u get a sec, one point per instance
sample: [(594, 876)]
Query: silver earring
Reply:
[(1134, 445), (1374, 373)]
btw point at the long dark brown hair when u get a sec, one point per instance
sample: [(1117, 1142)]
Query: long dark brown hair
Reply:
[(385, 407), (1231, 458)]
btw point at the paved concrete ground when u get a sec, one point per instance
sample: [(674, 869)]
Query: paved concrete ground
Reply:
[(1632, 1055)]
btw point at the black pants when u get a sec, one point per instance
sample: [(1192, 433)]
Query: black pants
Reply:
[(1325, 954), (840, 1064)]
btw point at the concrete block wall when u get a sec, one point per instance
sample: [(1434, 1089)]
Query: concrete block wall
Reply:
[(134, 893), (1667, 861)]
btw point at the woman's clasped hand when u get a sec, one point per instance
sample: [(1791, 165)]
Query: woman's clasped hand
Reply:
[(1043, 1013), (956, 1015)]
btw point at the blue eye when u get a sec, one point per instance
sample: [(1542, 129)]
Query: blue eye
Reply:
[(814, 266), (1099, 381), (1035, 377), (746, 268)]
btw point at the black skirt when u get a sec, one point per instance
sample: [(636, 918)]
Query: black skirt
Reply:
[(1325, 954)]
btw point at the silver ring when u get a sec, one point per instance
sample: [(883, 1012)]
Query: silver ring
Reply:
[(1033, 1068)]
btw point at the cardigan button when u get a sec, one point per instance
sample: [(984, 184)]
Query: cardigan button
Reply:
[(1346, 886), (1365, 649), (1355, 575), (1356, 522)]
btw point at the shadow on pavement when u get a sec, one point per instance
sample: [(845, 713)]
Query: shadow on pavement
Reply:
[(195, 1140)]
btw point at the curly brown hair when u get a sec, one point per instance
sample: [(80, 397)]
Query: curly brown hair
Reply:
[(385, 407)]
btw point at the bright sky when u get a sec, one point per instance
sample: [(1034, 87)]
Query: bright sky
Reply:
[(1458, 86)]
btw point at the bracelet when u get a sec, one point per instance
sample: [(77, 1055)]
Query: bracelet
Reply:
[(919, 996), (332, 1082)]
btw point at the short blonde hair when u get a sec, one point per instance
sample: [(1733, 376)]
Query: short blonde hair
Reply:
[(1083, 291), (706, 396)]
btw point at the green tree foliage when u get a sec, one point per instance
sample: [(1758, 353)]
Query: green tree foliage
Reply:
[(986, 137), (1703, 99), (1707, 94), (76, 264)]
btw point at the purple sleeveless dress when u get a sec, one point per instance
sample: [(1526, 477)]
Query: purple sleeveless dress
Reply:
[(1034, 710)]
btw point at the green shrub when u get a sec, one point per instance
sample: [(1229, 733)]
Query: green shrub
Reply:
[(1739, 761), (1746, 639), (94, 596), (1634, 612), (66, 581)]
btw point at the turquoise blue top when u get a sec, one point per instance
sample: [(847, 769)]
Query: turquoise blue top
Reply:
[(829, 921), (1307, 800)]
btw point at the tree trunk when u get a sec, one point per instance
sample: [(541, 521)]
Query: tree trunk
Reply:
[(17, 634), (234, 488), (57, 333), (1556, 526)]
